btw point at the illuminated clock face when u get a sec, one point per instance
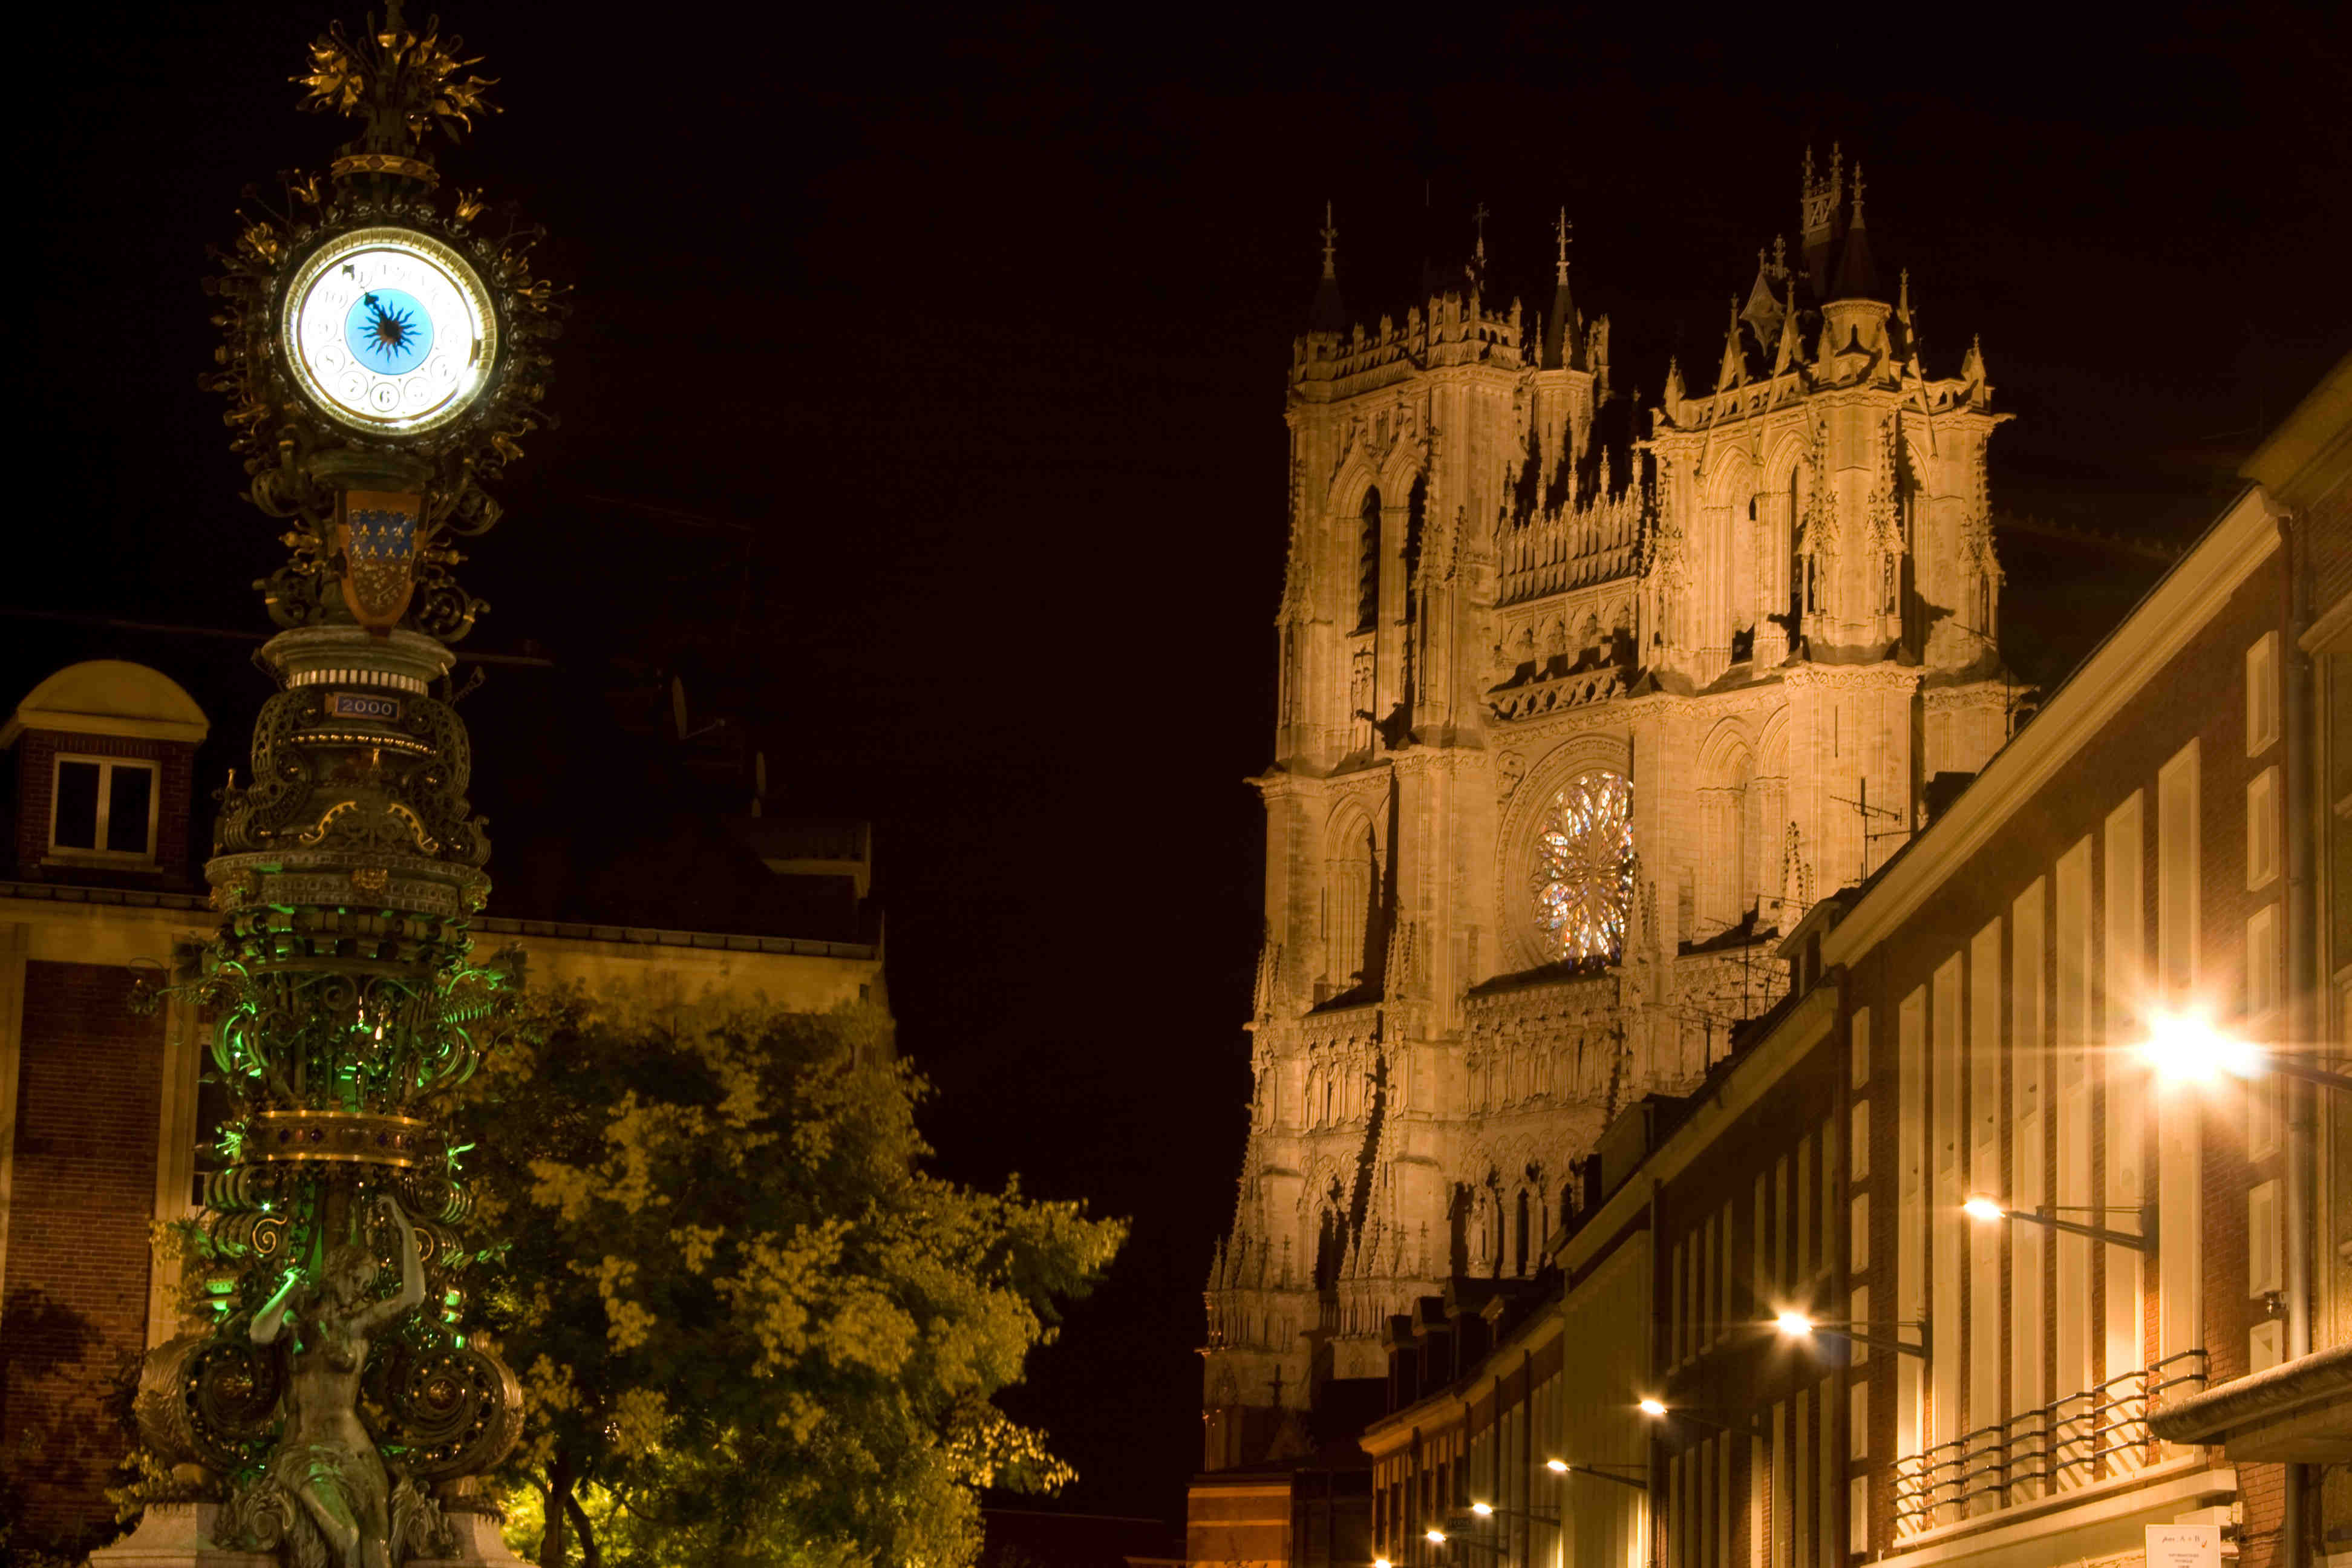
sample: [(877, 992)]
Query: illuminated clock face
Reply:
[(390, 330)]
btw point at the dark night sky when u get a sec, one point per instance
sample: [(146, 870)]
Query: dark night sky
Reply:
[(979, 327)]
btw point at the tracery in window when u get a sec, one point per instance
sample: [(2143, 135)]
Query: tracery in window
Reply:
[(1582, 877)]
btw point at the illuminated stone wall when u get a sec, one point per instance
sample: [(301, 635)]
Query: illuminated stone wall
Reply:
[(1765, 624)]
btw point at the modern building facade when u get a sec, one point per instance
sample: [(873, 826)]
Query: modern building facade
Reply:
[(102, 1107), (1568, 730)]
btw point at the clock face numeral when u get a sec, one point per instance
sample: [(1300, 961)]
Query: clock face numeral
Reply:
[(390, 330)]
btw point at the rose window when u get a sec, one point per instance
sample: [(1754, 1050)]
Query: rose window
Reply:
[(1583, 868)]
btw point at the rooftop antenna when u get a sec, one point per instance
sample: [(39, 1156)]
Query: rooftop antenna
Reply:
[(1866, 812)]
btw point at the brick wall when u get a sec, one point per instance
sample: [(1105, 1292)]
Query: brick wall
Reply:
[(36, 752), (73, 1306), (2201, 694), (1728, 1362)]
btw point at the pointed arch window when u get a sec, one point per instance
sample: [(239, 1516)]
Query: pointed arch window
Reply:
[(1367, 562), (1416, 515), (1583, 867), (1354, 871)]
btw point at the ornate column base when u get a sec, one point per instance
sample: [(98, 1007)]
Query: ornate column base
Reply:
[(478, 1545), (176, 1535)]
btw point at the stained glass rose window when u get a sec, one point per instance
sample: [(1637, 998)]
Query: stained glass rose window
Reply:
[(1583, 867)]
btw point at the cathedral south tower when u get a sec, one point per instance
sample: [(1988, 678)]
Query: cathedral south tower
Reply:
[(1569, 729)]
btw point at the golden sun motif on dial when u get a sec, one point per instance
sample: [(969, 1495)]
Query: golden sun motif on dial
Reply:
[(390, 330)]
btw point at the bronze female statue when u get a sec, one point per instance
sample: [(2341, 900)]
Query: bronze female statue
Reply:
[(325, 1459)]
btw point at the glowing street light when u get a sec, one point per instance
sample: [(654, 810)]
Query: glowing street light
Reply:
[(2185, 1048), (1992, 1211), (1796, 1325), (1483, 1510), (1562, 1467), (1381, 1563), (1657, 1409), (1436, 1535)]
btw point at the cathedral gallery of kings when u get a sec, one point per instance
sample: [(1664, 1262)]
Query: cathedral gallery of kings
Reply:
[(1565, 739)]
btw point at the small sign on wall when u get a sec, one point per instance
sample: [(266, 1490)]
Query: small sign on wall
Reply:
[(2184, 1546)]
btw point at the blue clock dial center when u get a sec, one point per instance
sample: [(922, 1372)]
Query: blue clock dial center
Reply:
[(388, 331)]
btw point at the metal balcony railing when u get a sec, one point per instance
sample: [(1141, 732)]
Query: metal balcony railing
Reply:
[(2067, 1444)]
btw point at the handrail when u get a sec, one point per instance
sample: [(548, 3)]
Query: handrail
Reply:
[(2060, 1446)]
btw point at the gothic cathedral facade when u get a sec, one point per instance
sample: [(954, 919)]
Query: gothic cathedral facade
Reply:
[(1565, 738)]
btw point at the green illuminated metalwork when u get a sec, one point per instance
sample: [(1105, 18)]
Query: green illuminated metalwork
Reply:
[(337, 1415)]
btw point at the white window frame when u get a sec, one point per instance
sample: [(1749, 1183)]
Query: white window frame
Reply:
[(2261, 694), (100, 855)]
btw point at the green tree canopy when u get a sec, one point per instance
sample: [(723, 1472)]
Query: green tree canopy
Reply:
[(752, 1327)]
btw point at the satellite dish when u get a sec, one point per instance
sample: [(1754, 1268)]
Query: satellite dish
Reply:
[(677, 705)]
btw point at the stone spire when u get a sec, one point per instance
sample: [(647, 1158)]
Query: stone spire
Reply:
[(1857, 276), (1329, 313), (1818, 199), (1791, 349), (1972, 368), (1733, 371), (1562, 344)]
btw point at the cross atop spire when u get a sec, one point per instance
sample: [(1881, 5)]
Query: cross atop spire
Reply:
[(1563, 231), (1331, 244)]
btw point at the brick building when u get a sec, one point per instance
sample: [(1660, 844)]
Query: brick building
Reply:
[(101, 1110), (2087, 1003)]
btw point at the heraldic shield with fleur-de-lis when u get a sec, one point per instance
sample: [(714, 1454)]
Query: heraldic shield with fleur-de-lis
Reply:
[(379, 545)]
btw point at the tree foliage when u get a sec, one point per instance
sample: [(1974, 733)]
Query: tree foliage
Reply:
[(752, 1327)]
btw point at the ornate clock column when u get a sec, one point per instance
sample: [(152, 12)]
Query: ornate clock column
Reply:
[(385, 351)]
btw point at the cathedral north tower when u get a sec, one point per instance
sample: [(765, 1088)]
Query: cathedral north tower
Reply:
[(1568, 730)]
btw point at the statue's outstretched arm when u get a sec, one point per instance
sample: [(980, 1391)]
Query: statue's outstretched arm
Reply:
[(270, 1321), (411, 1273)]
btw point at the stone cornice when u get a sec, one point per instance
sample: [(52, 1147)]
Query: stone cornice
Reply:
[(1855, 677), (1952, 699)]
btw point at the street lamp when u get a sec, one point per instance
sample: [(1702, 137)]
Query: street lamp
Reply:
[(1991, 1211), (1562, 1467), (2185, 1048), (1657, 1409), (1488, 1511), (1797, 1325)]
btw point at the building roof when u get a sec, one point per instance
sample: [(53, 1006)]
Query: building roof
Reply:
[(110, 697)]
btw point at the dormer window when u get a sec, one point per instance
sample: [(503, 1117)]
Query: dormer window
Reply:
[(103, 809)]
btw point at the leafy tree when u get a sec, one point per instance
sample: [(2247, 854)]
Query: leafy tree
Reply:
[(751, 1327)]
